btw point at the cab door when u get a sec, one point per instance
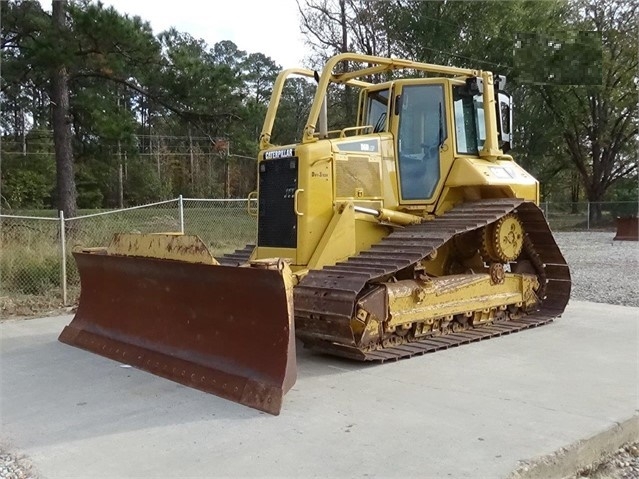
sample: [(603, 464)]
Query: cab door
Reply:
[(420, 125)]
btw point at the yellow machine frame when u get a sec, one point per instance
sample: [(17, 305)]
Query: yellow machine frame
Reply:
[(331, 226), (347, 259)]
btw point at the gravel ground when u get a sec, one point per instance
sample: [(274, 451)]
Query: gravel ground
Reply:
[(603, 271), (13, 466), (624, 464)]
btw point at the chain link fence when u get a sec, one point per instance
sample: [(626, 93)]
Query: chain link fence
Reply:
[(224, 225), (97, 229), (37, 270), (35, 278), (30, 262), (580, 216)]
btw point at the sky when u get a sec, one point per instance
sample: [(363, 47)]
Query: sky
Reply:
[(271, 27)]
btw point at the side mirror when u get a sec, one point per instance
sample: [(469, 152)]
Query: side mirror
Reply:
[(504, 115), (398, 105), (475, 85)]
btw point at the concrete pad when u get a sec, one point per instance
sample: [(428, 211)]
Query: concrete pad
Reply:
[(588, 452), (473, 411)]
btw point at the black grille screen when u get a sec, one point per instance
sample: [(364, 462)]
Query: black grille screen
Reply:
[(277, 223)]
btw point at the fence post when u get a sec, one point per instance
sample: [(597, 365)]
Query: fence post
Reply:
[(181, 212), (546, 211), (63, 252), (588, 217)]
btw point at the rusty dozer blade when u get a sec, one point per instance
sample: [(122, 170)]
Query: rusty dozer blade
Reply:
[(224, 330)]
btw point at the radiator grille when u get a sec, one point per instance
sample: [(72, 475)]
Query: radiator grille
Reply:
[(277, 222)]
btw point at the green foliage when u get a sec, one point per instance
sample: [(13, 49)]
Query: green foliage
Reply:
[(626, 189), (33, 274), (142, 184), (89, 193), (625, 194), (155, 105), (30, 259), (293, 111), (563, 58), (571, 68), (625, 209), (25, 189), (598, 122), (469, 34)]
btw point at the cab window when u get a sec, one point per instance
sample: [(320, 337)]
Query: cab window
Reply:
[(376, 111), (422, 131), (470, 129)]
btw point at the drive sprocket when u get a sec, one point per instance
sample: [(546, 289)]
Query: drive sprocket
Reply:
[(503, 240)]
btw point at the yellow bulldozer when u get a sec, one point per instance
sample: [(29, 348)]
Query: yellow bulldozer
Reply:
[(410, 231)]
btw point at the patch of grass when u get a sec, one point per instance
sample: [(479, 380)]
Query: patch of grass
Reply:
[(223, 231), (30, 266), (28, 270)]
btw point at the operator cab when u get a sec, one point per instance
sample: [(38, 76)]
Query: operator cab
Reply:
[(417, 118)]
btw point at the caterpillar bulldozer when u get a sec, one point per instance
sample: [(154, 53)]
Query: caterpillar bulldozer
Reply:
[(410, 231)]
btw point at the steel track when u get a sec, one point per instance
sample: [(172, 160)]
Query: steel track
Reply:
[(237, 257), (325, 299)]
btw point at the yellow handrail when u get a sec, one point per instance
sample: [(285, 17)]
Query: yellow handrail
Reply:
[(342, 133), (380, 64), (372, 65)]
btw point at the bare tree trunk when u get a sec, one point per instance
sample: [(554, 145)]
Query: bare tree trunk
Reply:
[(120, 178), (349, 97), (596, 213), (227, 177), (192, 170), (595, 194), (157, 157), (24, 134), (344, 25), (574, 192), (66, 198)]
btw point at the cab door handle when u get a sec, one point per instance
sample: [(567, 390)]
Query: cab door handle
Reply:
[(295, 198)]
